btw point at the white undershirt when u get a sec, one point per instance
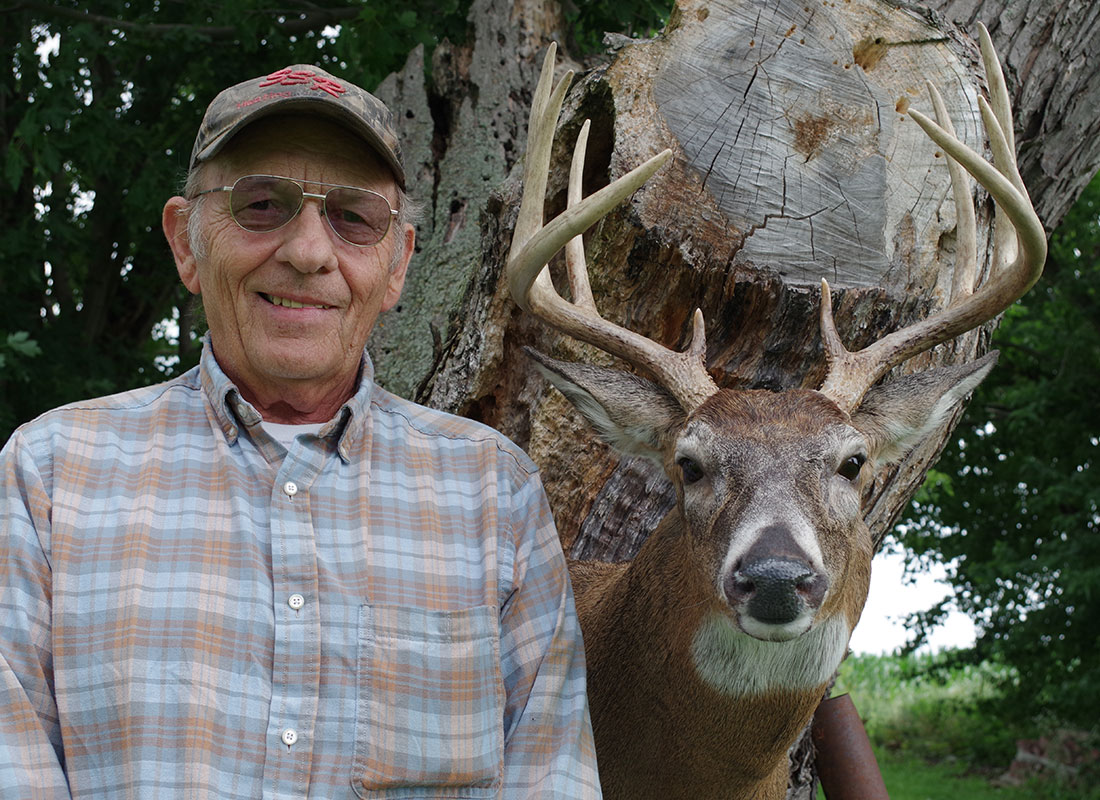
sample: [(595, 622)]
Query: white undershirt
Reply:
[(284, 434)]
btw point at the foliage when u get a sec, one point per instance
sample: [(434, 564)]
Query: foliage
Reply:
[(1015, 498), (635, 18), (932, 706), (99, 105), (940, 726)]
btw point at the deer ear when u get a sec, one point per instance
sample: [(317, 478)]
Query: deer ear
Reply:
[(630, 413), (895, 416)]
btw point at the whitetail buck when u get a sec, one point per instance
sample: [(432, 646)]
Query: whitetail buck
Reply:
[(708, 653)]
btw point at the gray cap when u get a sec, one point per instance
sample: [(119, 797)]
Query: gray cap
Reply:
[(299, 89)]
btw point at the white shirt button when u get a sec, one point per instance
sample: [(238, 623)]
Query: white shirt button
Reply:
[(296, 601), (289, 737), (290, 488)]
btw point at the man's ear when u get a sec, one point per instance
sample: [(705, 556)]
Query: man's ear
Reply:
[(173, 221), (895, 416), (400, 269), (630, 413)]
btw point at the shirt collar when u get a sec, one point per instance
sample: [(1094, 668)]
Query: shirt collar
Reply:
[(348, 425)]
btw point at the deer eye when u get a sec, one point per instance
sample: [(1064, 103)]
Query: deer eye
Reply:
[(690, 469), (849, 470)]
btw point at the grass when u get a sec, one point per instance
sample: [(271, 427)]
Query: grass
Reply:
[(909, 778), (940, 730), (915, 779)]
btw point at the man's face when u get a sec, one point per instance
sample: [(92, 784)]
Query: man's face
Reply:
[(290, 310)]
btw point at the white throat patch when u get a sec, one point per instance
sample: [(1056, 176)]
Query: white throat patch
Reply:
[(734, 663)]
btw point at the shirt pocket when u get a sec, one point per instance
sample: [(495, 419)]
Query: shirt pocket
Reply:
[(430, 708)]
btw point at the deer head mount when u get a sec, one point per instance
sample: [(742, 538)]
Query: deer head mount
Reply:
[(740, 606)]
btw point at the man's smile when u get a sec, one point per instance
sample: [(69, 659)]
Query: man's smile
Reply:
[(286, 302)]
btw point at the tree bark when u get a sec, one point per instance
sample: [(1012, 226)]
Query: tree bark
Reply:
[(794, 160), (460, 137)]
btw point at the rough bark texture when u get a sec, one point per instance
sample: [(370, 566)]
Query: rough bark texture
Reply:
[(793, 161), (460, 138)]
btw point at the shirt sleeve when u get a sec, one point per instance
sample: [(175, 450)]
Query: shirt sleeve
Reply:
[(548, 750), (31, 758)]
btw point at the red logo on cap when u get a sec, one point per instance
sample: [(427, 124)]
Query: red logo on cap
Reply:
[(302, 77)]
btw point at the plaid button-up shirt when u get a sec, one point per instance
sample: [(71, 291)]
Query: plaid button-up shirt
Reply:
[(188, 610)]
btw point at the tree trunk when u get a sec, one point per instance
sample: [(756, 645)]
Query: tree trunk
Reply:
[(794, 160)]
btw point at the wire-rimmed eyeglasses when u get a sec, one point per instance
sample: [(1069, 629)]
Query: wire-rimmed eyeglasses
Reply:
[(265, 203)]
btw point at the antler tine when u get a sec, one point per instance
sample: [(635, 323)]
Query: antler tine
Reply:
[(545, 105), (966, 239), (1004, 148), (575, 261), (534, 244), (1020, 249)]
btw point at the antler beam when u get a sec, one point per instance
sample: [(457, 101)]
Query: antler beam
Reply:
[(1020, 248), (534, 244)]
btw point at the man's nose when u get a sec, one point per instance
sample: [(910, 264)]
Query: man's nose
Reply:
[(308, 240)]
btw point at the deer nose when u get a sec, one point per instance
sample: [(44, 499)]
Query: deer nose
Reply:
[(776, 590)]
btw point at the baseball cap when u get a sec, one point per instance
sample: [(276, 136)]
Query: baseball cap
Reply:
[(299, 89)]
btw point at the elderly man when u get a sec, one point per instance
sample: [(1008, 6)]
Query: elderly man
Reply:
[(269, 577)]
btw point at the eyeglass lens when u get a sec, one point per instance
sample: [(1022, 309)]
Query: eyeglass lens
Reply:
[(261, 203)]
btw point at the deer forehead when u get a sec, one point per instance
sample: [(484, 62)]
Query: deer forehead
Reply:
[(776, 434)]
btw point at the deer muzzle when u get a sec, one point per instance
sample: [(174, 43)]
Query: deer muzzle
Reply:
[(775, 590)]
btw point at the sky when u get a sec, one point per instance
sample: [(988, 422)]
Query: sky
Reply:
[(881, 629)]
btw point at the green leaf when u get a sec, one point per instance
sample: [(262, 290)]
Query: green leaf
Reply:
[(21, 342)]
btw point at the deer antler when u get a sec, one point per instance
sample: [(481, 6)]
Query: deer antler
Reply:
[(534, 244), (1020, 248)]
